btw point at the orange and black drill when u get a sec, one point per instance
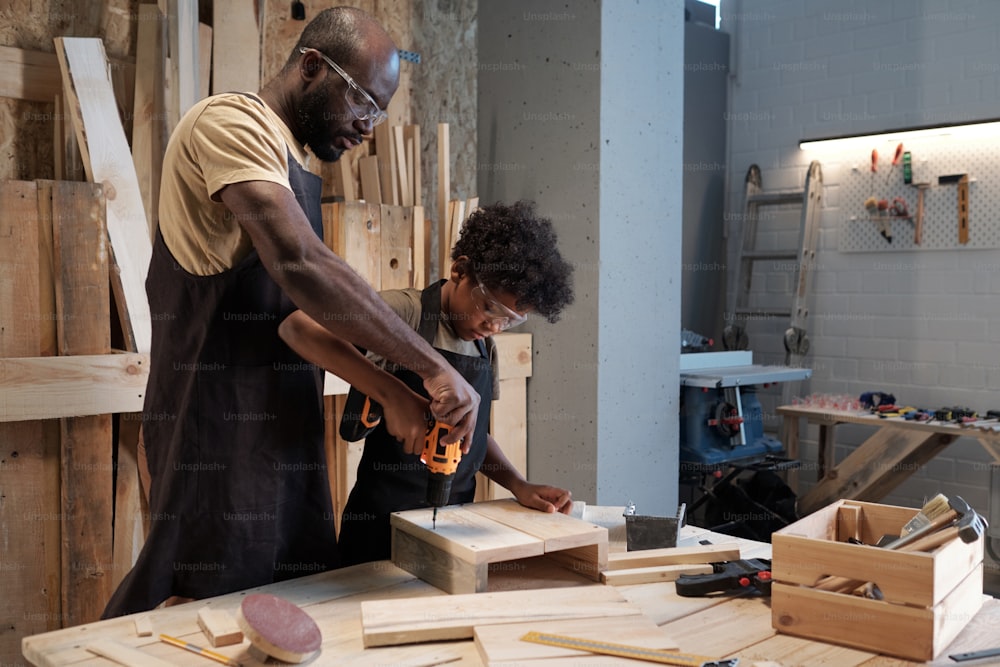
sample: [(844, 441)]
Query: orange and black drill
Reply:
[(362, 415)]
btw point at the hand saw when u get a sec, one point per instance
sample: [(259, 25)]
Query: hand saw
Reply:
[(625, 651)]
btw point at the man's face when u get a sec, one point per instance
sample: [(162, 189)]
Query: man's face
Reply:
[(329, 122)]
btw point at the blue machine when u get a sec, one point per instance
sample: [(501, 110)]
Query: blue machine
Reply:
[(721, 421)]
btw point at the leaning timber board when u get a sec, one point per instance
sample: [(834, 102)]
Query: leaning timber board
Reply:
[(397, 621), (455, 554)]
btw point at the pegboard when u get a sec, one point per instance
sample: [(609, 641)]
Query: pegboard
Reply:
[(859, 233)]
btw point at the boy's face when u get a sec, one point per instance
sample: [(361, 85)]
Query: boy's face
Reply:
[(477, 311)]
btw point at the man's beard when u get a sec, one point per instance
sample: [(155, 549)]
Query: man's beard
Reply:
[(314, 120)]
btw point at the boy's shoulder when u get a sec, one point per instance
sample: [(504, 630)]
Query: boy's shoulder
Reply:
[(405, 303)]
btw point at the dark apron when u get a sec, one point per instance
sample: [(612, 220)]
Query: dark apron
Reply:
[(233, 428), (390, 480)]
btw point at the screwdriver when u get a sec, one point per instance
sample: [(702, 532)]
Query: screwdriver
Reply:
[(874, 168), (895, 161)]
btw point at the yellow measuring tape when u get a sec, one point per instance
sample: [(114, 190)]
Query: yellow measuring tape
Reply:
[(625, 651)]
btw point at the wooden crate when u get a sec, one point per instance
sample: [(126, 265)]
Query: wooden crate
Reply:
[(928, 597), (456, 555)]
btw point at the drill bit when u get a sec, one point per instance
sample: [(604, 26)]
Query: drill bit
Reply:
[(434, 519)]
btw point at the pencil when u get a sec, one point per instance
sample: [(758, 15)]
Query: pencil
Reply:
[(218, 657)]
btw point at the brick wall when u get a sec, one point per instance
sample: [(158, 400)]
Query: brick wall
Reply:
[(923, 324)]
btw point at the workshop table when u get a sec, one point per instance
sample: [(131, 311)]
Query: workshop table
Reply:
[(896, 450), (717, 626)]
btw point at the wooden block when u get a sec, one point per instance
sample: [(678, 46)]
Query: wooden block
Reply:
[(404, 621), (353, 231), (443, 197), (124, 655), (646, 575), (219, 626), (396, 244), (235, 47), (149, 125), (707, 553), (108, 161), (558, 531), (500, 644), (371, 190), (143, 626)]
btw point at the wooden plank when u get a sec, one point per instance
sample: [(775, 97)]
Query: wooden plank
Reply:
[(52, 387), (344, 178), (648, 575), (414, 153), (514, 354), (236, 47), (400, 167), (184, 61), (83, 317), (877, 466), (129, 526), (107, 160), (706, 553), (443, 197), (470, 536), (29, 512), (724, 629), (509, 427), (396, 243), (447, 570), (124, 654), (392, 622), (149, 125), (28, 75), (385, 152), (355, 235), (500, 644), (205, 60), (558, 531), (371, 190), (788, 650), (421, 248)]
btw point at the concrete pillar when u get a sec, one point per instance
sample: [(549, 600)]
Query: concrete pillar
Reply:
[(580, 110)]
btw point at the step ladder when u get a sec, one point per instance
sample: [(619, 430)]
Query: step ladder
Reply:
[(802, 258)]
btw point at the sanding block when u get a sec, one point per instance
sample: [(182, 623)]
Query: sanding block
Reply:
[(277, 628)]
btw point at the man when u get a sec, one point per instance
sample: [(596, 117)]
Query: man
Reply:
[(233, 423)]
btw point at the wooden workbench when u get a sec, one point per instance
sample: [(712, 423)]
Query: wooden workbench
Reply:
[(727, 626), (896, 450)]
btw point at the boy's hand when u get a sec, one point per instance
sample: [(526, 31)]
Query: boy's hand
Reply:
[(544, 498), (405, 414), (455, 403)]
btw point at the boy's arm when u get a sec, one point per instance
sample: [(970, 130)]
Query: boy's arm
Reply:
[(541, 497), (405, 411)]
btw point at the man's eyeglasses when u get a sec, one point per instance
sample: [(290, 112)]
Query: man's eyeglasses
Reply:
[(498, 314), (361, 103)]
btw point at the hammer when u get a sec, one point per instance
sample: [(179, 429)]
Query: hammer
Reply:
[(969, 528), (959, 509)]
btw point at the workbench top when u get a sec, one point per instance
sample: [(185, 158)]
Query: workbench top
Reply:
[(726, 626)]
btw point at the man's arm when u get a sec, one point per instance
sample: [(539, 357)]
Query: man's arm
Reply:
[(541, 497), (405, 411), (334, 295)]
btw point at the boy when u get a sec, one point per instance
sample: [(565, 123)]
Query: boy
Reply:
[(504, 265)]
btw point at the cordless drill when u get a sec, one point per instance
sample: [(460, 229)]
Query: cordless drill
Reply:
[(362, 415)]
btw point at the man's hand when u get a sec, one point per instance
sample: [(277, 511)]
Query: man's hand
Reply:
[(455, 403), (544, 498), (405, 413)]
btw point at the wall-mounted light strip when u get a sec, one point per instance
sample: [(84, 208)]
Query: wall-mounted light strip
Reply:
[(975, 130)]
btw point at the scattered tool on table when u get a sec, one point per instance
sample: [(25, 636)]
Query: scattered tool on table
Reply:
[(277, 628), (734, 575), (895, 160), (204, 652), (625, 651)]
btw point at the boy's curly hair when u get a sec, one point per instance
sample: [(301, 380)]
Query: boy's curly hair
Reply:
[(512, 249)]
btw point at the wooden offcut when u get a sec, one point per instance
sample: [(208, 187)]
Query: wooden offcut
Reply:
[(455, 553), (405, 621), (219, 627), (704, 553), (108, 161)]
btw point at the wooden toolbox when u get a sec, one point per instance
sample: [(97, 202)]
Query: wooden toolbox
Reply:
[(456, 554), (927, 597)]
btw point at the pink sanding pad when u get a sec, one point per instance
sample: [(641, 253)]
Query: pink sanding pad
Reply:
[(279, 628)]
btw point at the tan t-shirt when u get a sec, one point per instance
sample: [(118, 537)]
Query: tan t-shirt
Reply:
[(406, 304), (223, 139)]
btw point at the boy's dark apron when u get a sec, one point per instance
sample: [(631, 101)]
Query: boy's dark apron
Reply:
[(233, 428), (390, 480)]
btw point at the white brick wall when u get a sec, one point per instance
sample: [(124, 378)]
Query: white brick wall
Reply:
[(924, 325)]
